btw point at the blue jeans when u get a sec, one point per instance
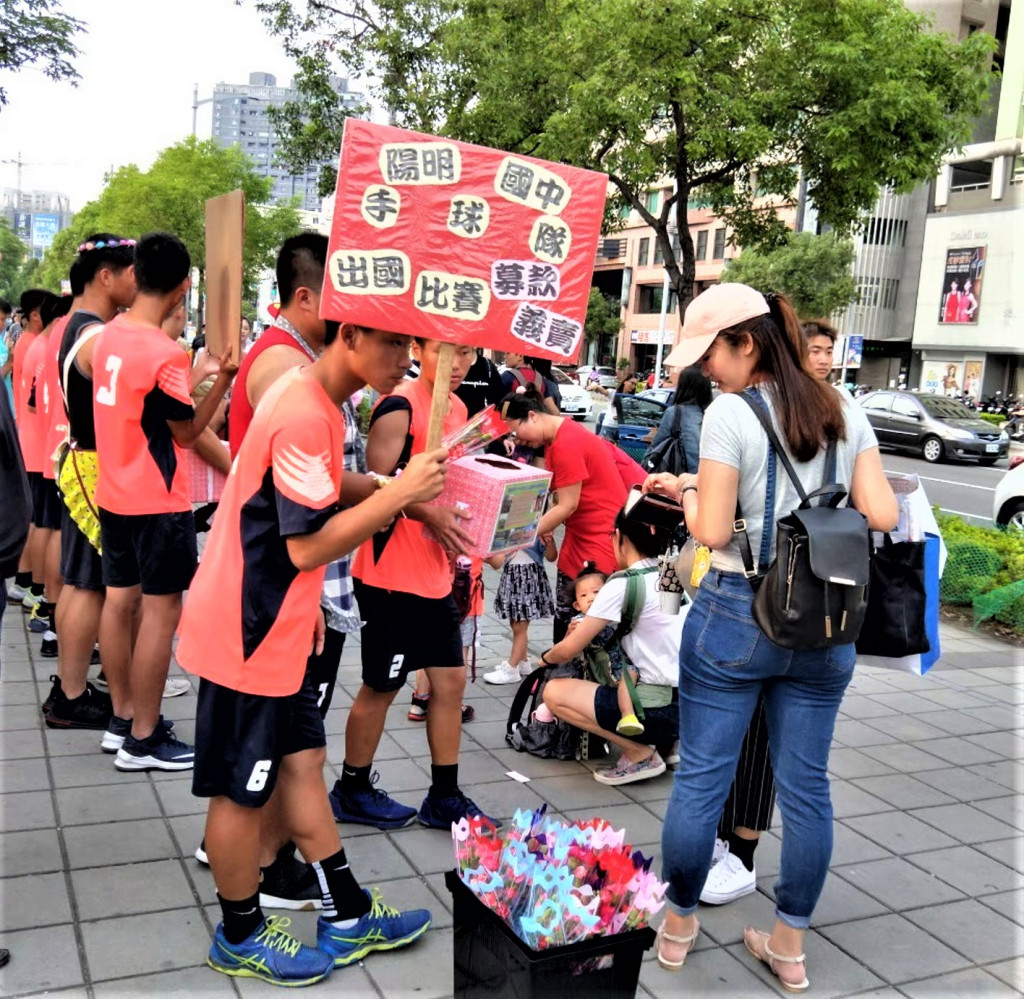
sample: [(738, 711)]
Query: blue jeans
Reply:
[(725, 661)]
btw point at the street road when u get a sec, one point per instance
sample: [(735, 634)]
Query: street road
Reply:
[(956, 487), (960, 488)]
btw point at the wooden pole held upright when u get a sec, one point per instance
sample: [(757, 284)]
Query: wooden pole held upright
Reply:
[(439, 400)]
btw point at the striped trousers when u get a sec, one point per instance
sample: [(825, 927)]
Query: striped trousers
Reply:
[(751, 798)]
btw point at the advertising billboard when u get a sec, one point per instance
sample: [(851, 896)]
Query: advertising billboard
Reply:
[(44, 227), (961, 284)]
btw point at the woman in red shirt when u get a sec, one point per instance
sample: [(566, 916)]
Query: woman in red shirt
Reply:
[(589, 490)]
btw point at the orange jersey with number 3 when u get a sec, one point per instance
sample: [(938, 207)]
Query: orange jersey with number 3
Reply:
[(140, 382)]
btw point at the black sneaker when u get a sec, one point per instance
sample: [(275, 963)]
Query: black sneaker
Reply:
[(118, 729), (288, 883), (48, 650), (440, 813), (200, 853), (91, 709), (369, 806), (160, 751), (54, 691)]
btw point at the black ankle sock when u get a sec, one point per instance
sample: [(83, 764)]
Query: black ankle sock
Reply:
[(355, 778), (240, 918), (342, 896), (444, 779), (743, 850), (37, 589), (23, 579)]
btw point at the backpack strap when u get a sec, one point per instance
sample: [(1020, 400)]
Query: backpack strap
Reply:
[(519, 377), (83, 338)]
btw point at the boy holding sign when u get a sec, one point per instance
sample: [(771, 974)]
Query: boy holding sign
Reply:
[(247, 630), (404, 591)]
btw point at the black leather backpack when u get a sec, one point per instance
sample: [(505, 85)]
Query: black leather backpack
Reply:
[(814, 593)]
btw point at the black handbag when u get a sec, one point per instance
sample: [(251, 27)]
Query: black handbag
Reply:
[(894, 624), (814, 593), (668, 455)]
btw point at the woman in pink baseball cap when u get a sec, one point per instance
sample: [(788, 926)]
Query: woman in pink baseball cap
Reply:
[(750, 343)]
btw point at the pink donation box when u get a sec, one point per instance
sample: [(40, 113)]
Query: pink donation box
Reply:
[(505, 498), (206, 483)]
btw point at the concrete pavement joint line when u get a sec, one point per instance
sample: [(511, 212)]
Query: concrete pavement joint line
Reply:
[(69, 886)]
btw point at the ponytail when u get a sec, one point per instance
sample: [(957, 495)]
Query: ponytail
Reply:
[(810, 412)]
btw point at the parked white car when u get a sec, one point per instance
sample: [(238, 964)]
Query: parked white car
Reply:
[(1008, 504), (576, 401)]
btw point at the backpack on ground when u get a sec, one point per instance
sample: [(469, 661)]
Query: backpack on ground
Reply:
[(814, 594), (554, 740)]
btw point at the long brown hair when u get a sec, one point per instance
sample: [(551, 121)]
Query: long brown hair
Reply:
[(811, 412)]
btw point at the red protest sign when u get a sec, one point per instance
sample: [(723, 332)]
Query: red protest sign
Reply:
[(456, 242)]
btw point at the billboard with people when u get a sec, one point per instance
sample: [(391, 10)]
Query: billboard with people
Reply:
[(961, 284)]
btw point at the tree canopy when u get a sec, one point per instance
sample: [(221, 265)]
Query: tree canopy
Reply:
[(602, 316), (37, 31), (13, 256), (171, 196), (814, 272), (727, 101)]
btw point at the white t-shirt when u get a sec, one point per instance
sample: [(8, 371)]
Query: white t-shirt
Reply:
[(733, 435), (653, 644)]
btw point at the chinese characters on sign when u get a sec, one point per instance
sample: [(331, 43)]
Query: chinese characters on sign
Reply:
[(538, 327), (961, 285), (456, 242)]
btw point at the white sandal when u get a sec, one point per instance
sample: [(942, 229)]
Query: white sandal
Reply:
[(663, 934), (769, 957)]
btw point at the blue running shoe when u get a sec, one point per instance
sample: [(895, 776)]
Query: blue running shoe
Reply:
[(382, 928), (37, 621), (440, 813), (370, 806), (271, 955)]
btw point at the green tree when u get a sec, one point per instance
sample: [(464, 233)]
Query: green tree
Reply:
[(722, 101), (34, 31), (12, 261), (171, 196), (812, 271), (603, 318)]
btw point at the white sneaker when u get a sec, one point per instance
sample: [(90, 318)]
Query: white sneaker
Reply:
[(727, 880), (503, 673), (526, 667), (672, 760), (175, 686), (16, 593)]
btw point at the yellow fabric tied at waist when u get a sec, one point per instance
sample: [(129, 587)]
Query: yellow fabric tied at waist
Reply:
[(79, 473)]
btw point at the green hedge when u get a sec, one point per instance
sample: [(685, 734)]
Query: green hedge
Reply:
[(984, 570), (992, 418)]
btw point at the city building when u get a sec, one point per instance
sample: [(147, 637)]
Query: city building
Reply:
[(629, 268), (35, 217), (968, 328), (241, 117)]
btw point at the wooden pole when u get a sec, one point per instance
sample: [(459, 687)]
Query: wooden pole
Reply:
[(439, 400)]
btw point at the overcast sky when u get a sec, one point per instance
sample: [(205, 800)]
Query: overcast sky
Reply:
[(138, 63)]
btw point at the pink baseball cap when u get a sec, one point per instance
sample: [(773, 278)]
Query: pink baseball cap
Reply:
[(718, 308)]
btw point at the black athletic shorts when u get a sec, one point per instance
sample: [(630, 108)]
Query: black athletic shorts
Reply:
[(404, 632), (242, 738), (661, 725), (156, 550), (47, 502), (322, 670), (80, 563)]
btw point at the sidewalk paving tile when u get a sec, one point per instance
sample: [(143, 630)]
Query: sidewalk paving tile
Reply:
[(926, 891), (894, 948), (45, 958), (972, 930)]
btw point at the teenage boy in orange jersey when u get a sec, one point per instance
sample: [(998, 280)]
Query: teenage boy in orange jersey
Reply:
[(403, 576), (144, 416), (247, 629)]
